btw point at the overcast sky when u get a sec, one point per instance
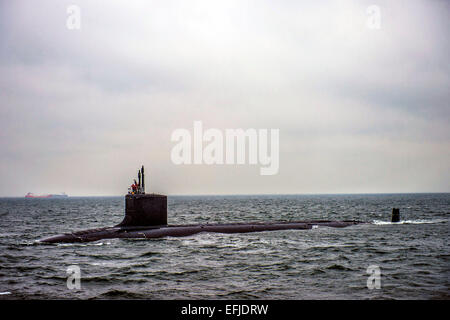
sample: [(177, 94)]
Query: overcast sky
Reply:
[(360, 110)]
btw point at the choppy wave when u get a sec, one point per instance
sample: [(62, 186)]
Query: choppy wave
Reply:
[(87, 244), (324, 263)]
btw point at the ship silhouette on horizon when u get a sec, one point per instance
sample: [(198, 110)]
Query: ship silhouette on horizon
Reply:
[(46, 196)]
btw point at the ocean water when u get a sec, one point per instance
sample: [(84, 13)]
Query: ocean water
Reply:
[(322, 263)]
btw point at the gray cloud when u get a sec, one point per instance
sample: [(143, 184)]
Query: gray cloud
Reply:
[(359, 110)]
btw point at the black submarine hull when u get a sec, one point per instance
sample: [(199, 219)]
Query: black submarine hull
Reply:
[(152, 232), (146, 218)]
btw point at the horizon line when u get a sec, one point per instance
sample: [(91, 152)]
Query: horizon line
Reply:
[(253, 194)]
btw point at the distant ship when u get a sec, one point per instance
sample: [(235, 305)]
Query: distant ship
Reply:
[(32, 195)]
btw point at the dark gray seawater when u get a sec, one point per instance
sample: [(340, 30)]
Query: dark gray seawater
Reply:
[(322, 263)]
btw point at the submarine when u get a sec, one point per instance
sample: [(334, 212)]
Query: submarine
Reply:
[(146, 218)]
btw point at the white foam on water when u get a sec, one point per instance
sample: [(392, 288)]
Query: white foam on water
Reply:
[(85, 244), (420, 221), (112, 264), (200, 240), (4, 293), (101, 243)]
